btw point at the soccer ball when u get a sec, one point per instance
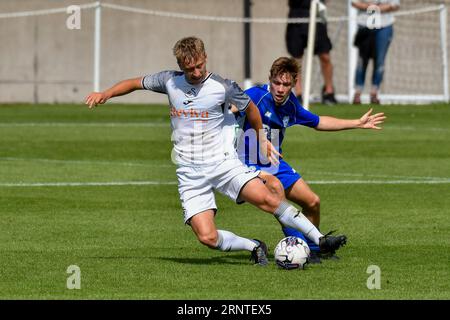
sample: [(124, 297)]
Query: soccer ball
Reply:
[(291, 253)]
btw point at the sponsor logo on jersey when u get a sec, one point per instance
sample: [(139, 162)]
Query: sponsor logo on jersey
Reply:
[(188, 113)]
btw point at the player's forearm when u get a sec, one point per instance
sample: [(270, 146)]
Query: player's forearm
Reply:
[(123, 87), (253, 117), (335, 124)]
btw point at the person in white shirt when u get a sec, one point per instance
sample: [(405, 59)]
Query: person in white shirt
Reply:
[(203, 133), (375, 32)]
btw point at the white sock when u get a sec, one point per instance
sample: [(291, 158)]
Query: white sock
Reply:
[(289, 216), (228, 241)]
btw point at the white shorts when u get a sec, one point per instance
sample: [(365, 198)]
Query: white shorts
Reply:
[(196, 185)]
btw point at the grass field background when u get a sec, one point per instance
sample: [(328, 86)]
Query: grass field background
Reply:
[(388, 191)]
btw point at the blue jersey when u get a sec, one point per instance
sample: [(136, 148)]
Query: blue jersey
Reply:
[(273, 117)]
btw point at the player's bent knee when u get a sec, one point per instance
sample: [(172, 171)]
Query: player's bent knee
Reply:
[(314, 203), (209, 239), (275, 187)]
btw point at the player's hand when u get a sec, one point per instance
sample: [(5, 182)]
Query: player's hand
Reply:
[(96, 98), (371, 121), (269, 151)]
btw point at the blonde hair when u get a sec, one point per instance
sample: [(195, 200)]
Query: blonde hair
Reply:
[(285, 65), (188, 50)]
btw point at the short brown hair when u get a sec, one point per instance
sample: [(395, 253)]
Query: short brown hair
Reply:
[(285, 65), (189, 49)]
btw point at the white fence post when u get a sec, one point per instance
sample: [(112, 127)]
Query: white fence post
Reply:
[(352, 54), (443, 25), (97, 46), (310, 52)]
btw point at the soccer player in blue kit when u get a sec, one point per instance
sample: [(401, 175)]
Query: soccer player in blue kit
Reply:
[(279, 109)]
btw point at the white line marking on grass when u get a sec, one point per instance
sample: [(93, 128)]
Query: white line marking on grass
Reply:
[(374, 175), (85, 124), (153, 183), (137, 164), (380, 181)]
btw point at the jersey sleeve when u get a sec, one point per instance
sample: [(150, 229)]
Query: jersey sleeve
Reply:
[(305, 117), (236, 96), (157, 82)]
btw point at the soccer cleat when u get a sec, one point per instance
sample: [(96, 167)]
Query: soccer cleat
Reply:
[(259, 254), (329, 244)]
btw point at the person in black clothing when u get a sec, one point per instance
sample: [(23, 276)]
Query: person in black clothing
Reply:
[(297, 40)]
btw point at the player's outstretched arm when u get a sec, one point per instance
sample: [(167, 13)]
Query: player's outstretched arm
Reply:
[(119, 89), (367, 121)]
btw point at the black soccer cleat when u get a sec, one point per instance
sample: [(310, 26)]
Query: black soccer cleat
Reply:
[(328, 244), (259, 254)]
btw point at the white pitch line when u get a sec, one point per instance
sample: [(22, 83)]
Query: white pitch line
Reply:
[(375, 175), (137, 164), (156, 183), (380, 181), (414, 179)]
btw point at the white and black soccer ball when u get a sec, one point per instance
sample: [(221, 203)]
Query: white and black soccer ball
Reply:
[(292, 253)]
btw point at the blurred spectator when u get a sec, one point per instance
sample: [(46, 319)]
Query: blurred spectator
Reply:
[(297, 40), (375, 31)]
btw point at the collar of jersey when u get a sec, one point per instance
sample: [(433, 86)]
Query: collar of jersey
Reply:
[(207, 77)]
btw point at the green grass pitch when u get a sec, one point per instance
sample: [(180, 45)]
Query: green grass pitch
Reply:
[(65, 200)]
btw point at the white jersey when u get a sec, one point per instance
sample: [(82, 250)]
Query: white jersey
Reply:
[(202, 123)]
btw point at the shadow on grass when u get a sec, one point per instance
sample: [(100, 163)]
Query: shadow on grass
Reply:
[(234, 259), (239, 259)]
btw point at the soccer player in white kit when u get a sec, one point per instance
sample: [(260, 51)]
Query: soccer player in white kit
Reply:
[(203, 138)]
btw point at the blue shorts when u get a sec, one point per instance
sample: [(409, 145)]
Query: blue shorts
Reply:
[(285, 173)]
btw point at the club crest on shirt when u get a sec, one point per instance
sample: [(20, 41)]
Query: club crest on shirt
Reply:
[(268, 114), (286, 121)]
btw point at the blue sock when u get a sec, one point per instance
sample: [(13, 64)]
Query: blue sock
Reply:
[(291, 232)]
